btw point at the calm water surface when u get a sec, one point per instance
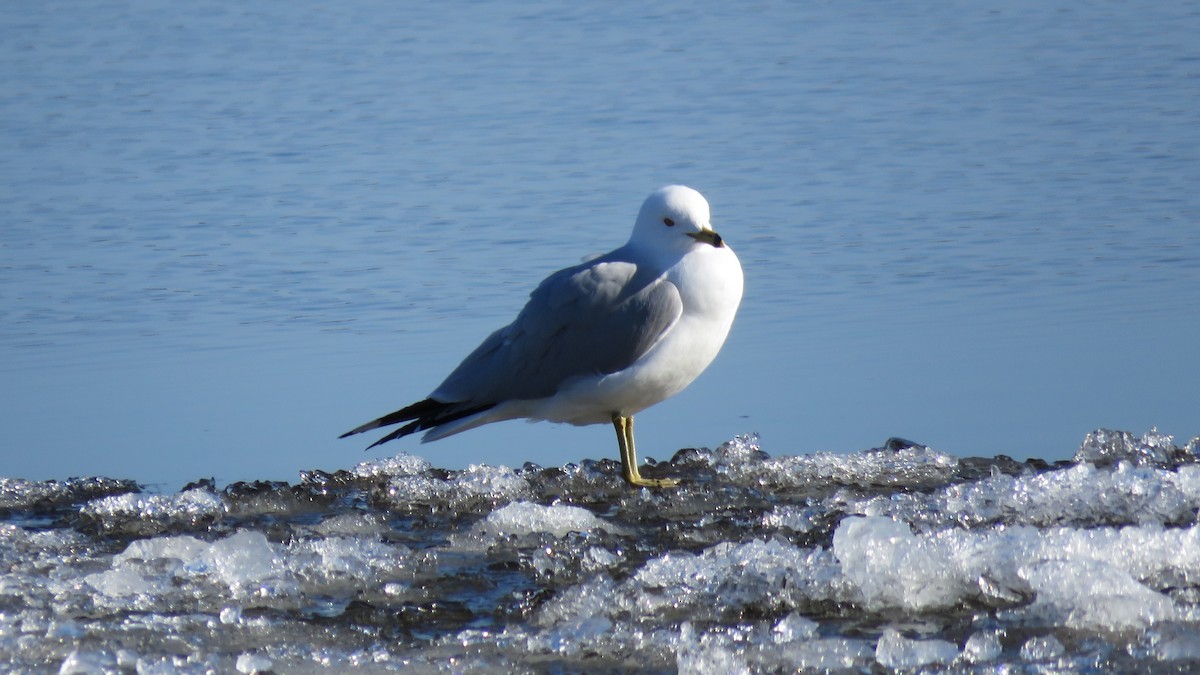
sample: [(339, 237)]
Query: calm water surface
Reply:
[(230, 232)]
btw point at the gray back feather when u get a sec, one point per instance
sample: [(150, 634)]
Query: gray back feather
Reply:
[(592, 319)]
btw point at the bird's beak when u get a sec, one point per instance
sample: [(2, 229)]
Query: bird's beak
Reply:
[(707, 237)]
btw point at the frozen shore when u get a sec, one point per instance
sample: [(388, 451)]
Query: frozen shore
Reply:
[(898, 557)]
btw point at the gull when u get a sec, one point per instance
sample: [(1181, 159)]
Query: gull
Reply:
[(601, 341)]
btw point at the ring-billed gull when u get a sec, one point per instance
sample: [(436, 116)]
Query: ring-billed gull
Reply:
[(601, 341)]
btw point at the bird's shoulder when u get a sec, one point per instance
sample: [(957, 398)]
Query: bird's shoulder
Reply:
[(595, 282), (594, 318)]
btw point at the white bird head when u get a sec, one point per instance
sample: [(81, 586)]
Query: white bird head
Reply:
[(674, 218)]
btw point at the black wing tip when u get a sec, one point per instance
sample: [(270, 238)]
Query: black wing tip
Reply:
[(423, 414), (420, 416), (420, 410), (402, 431), (358, 430)]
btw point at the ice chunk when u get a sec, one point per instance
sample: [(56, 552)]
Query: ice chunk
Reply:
[(795, 518), (137, 513), (701, 656), (1191, 451), (122, 582), (190, 503), (829, 654), (1089, 495), (491, 482), (334, 562), (87, 662), (764, 575), (893, 568), (49, 496), (253, 663), (127, 659), (1094, 595), (402, 464), (243, 559), (231, 615), (574, 636), (26, 550), (170, 665), (239, 562), (740, 451), (1042, 648), (64, 629), (1087, 579), (896, 651), (1103, 447), (1174, 642), (794, 627), (351, 524), (983, 646), (598, 596), (247, 565), (911, 466), (526, 517), (1083, 494), (184, 548), (478, 484)]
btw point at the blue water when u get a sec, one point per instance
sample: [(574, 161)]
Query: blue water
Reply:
[(229, 233)]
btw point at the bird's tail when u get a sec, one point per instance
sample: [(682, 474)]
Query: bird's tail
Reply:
[(421, 415)]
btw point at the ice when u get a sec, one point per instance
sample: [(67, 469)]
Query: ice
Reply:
[(1176, 642), (899, 557), (47, 497), (983, 646), (795, 627), (762, 575), (253, 663), (1042, 648), (1080, 495), (182, 547), (525, 518), (122, 582), (896, 651), (797, 519), (900, 462), (1095, 595), (891, 567), (230, 615), (827, 655), (1095, 579), (87, 662), (699, 655), (142, 514), (462, 490), (1104, 446), (401, 465), (241, 560)]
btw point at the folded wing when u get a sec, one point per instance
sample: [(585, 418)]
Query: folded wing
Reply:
[(592, 319)]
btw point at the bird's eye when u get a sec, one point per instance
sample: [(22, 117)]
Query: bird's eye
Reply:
[(668, 222)]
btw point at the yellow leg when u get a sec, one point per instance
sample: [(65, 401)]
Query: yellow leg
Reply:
[(629, 465)]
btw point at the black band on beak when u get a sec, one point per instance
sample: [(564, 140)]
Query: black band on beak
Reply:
[(707, 237)]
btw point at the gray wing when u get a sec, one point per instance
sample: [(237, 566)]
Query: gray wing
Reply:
[(595, 318)]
